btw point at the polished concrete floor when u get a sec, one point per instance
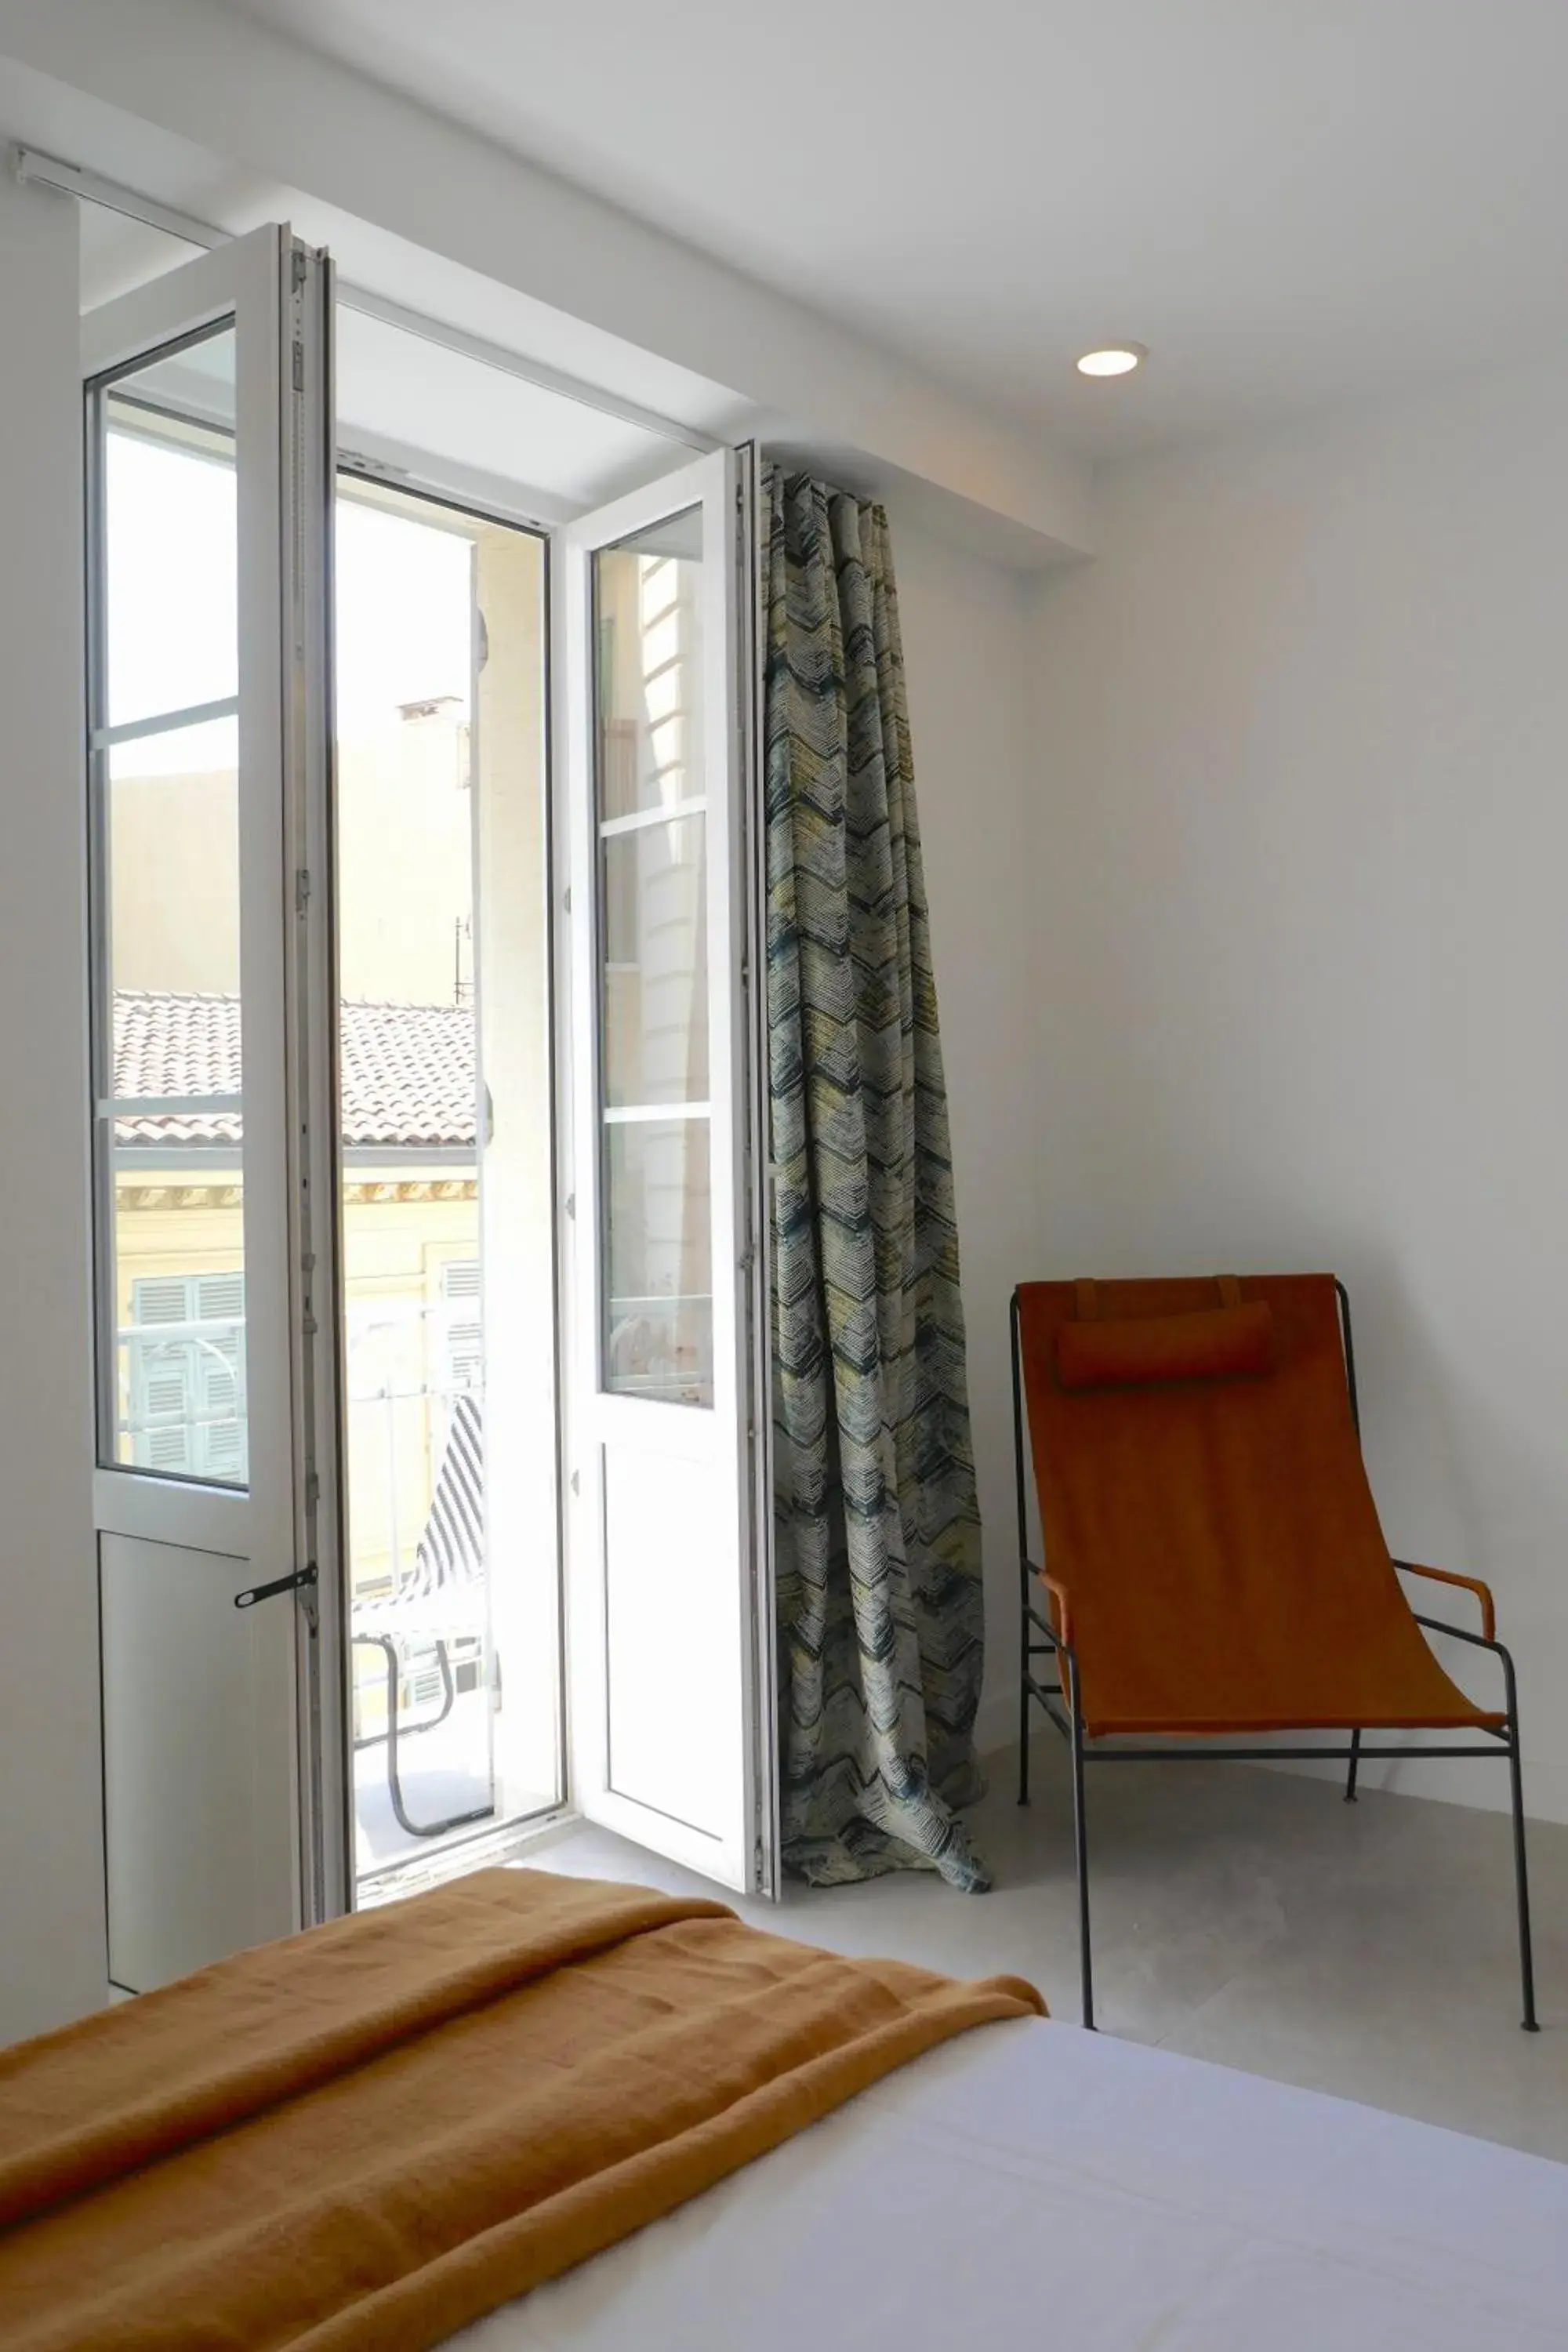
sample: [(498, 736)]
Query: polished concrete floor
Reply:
[(1244, 1916)]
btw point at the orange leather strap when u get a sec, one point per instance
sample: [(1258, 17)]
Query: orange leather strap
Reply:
[(1058, 1594), (1470, 1584)]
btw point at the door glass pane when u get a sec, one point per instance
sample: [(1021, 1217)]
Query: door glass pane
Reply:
[(166, 898), (170, 534), (659, 1303), (656, 1242), (181, 1392), (655, 964), (649, 654), (173, 818)]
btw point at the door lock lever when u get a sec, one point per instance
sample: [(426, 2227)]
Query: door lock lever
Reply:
[(254, 1592)]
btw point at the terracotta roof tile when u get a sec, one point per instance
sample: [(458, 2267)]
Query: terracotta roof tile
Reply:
[(407, 1071)]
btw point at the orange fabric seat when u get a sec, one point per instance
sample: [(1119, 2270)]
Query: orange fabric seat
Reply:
[(1211, 1539)]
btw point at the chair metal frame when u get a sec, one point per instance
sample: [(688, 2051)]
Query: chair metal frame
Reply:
[(1061, 1702), (389, 1645), (417, 1618)]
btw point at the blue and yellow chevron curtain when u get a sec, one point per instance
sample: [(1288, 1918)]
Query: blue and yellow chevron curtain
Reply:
[(881, 1626)]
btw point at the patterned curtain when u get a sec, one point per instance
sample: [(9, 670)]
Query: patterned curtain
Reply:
[(881, 1629)]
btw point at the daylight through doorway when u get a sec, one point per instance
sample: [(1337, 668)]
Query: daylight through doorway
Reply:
[(447, 1246)]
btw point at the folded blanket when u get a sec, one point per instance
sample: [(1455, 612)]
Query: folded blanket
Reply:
[(366, 2138)]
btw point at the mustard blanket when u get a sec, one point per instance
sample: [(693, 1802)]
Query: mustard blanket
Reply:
[(366, 2138)]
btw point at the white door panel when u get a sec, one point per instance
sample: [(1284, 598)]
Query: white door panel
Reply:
[(670, 1729), (669, 1664), (198, 1723), (207, 480)]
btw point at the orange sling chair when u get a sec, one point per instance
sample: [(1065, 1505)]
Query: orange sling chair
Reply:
[(1213, 1558)]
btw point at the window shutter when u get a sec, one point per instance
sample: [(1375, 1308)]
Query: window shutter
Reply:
[(220, 1448), (187, 1394), (166, 1449), (220, 1297), (463, 1345), (160, 1298)]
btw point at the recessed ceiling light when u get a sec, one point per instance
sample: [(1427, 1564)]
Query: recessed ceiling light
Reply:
[(1115, 358)]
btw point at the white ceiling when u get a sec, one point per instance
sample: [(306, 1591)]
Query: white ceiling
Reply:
[(1289, 201)]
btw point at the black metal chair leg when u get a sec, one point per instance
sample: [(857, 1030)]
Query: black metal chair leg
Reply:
[(1024, 1657), (1355, 1766), (1516, 1781), (430, 1722), (1521, 1884), (1521, 1867), (1080, 1846), (410, 1827), (1024, 1710)]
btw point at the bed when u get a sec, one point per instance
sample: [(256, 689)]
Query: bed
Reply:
[(1032, 2184), (678, 2131)]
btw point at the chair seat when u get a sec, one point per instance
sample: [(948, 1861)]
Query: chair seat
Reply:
[(1240, 1662), (1330, 1695)]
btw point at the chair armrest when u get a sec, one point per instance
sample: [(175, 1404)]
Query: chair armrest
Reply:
[(1064, 1614), (1469, 1583)]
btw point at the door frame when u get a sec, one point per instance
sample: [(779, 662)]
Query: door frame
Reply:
[(485, 1844), (752, 826), (724, 484), (313, 992)]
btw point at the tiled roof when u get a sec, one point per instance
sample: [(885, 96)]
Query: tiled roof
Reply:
[(407, 1071)]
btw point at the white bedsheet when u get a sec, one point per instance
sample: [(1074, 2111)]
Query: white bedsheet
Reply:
[(1033, 2185)]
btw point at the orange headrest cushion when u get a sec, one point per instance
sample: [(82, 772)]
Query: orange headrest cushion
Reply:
[(1127, 1351)]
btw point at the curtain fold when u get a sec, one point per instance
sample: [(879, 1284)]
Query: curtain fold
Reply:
[(881, 1624)]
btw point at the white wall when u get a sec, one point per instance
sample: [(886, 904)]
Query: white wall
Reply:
[(1299, 797), (52, 1962), (966, 627)]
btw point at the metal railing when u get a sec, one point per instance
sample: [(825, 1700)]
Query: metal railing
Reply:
[(398, 1326)]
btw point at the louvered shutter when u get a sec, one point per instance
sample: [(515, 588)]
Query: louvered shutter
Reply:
[(462, 1330)]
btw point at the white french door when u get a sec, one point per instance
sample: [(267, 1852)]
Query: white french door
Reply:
[(208, 450), (668, 1611)]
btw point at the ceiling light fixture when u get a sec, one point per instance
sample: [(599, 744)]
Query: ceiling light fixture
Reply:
[(1113, 359)]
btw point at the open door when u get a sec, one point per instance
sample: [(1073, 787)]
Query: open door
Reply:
[(208, 466), (670, 1605)]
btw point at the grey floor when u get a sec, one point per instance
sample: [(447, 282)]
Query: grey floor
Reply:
[(1244, 1916)]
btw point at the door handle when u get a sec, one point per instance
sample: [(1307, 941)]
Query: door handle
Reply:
[(254, 1592)]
